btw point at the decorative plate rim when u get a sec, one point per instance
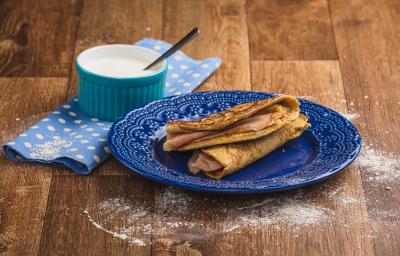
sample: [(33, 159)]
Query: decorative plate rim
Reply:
[(255, 186)]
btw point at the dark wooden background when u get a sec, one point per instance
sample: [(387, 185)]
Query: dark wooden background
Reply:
[(336, 51)]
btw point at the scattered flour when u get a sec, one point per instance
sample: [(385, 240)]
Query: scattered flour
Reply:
[(119, 234), (351, 116), (118, 217), (182, 215), (383, 166), (50, 149), (348, 200), (307, 97), (160, 133)]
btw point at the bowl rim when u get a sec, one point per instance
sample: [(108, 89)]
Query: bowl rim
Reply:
[(81, 69)]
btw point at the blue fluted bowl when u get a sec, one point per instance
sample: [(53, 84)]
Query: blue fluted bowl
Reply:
[(107, 97)]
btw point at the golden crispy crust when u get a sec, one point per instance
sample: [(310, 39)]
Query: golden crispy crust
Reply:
[(225, 118), (236, 156), (220, 120)]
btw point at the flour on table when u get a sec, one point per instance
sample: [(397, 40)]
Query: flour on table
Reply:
[(351, 116), (382, 166), (118, 217), (181, 215), (185, 215), (306, 97), (348, 200)]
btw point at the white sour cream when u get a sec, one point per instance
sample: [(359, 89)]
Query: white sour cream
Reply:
[(118, 67)]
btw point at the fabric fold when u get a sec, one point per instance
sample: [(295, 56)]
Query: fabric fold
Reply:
[(71, 138)]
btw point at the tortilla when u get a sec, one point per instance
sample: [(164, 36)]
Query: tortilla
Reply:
[(234, 157), (243, 122)]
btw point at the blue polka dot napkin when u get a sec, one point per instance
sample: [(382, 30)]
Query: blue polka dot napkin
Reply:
[(71, 138)]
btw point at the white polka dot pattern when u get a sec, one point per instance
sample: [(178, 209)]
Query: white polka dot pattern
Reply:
[(96, 158), (70, 137), (184, 73)]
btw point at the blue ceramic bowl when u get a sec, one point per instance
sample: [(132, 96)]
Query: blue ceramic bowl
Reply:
[(108, 97)]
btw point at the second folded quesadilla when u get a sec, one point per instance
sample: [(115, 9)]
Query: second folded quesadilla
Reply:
[(219, 161), (243, 122)]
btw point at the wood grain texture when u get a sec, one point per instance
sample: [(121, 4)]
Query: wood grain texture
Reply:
[(116, 22), (367, 33), (291, 46), (27, 99), (23, 197), (37, 38), (24, 188), (348, 232), (223, 33), (73, 224), (224, 24), (127, 22), (290, 30)]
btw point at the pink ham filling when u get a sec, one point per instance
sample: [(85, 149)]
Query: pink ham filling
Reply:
[(255, 123), (177, 140), (202, 162)]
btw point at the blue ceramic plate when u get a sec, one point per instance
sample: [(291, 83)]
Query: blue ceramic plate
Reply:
[(330, 145)]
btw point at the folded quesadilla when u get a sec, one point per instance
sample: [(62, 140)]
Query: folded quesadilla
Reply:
[(243, 122), (219, 161)]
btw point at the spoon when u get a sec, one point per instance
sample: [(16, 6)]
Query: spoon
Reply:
[(192, 34)]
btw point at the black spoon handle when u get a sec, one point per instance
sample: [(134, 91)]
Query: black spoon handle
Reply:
[(192, 34)]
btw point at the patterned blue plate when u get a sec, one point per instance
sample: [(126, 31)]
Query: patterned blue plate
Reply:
[(330, 145)]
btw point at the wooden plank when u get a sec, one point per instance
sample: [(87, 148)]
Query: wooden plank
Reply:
[(127, 23), (321, 82), (24, 187), (36, 39), (290, 30), (68, 228), (366, 35), (120, 22), (222, 22), (98, 215), (28, 99), (23, 197), (223, 33)]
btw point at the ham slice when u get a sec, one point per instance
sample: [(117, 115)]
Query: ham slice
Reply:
[(181, 139), (254, 123), (202, 162)]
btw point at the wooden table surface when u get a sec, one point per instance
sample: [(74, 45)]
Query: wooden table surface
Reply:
[(344, 54)]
